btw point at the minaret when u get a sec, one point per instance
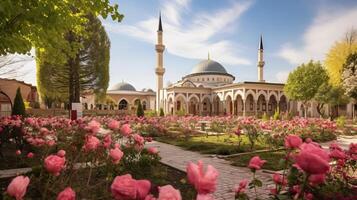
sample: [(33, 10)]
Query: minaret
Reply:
[(160, 70), (261, 61)]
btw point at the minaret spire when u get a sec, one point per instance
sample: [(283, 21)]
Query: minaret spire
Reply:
[(261, 62), (208, 57), (160, 24), (159, 70)]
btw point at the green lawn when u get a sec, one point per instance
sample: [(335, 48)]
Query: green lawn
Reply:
[(272, 159), (222, 145)]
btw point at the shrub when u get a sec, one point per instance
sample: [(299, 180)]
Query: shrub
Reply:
[(341, 121), (140, 110), (150, 113), (19, 106), (265, 117), (276, 114), (162, 114)]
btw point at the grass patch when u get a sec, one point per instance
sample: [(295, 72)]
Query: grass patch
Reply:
[(272, 159), (221, 145)]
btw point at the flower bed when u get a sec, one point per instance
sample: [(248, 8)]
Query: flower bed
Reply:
[(113, 163)]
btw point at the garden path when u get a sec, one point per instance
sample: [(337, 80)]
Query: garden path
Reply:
[(229, 175), (344, 141)]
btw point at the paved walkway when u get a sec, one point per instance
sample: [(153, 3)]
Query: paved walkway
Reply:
[(344, 141), (228, 175)]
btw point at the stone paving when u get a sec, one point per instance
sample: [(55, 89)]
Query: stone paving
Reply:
[(228, 175)]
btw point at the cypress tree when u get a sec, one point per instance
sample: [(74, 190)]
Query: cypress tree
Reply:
[(162, 114), (139, 110), (19, 106)]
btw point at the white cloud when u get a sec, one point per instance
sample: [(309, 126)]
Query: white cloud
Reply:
[(282, 76), (326, 28), (191, 38)]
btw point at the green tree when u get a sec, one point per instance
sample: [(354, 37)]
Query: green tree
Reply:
[(331, 95), (336, 57), (87, 72), (349, 76), (42, 23), (162, 114), (19, 105), (140, 110), (304, 82)]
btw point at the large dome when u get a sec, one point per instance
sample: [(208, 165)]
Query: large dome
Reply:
[(123, 86), (209, 66)]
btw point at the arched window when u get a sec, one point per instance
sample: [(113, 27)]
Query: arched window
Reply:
[(123, 105)]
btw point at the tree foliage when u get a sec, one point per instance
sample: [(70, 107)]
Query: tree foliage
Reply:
[(337, 55), (19, 105), (304, 82), (87, 72), (140, 110), (43, 23), (330, 95), (349, 76)]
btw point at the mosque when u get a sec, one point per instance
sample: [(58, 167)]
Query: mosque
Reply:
[(210, 90)]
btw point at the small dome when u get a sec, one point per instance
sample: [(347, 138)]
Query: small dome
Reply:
[(123, 86), (209, 66)]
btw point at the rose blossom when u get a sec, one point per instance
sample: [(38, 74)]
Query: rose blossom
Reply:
[(107, 141), (240, 188), (113, 124), (312, 159), (54, 164), (116, 154), (91, 143), (126, 130), (67, 194), (125, 187), (316, 179), (256, 163), (18, 152), (30, 155), (292, 141), (153, 150), (18, 186), (168, 192), (279, 179), (61, 153), (93, 126), (139, 140), (204, 182)]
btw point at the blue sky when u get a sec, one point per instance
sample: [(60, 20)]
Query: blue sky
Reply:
[(293, 32)]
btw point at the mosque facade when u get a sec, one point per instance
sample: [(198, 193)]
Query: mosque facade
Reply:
[(210, 90)]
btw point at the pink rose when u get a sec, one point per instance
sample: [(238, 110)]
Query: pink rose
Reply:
[(316, 179), (239, 189), (139, 140), (18, 186), (67, 194), (256, 163), (30, 155), (18, 152), (337, 154), (311, 154), (116, 154), (153, 150), (61, 153), (126, 130), (107, 141), (150, 197), (54, 164), (113, 124), (204, 182), (292, 141), (168, 192), (93, 126), (91, 143), (279, 180), (125, 187)]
